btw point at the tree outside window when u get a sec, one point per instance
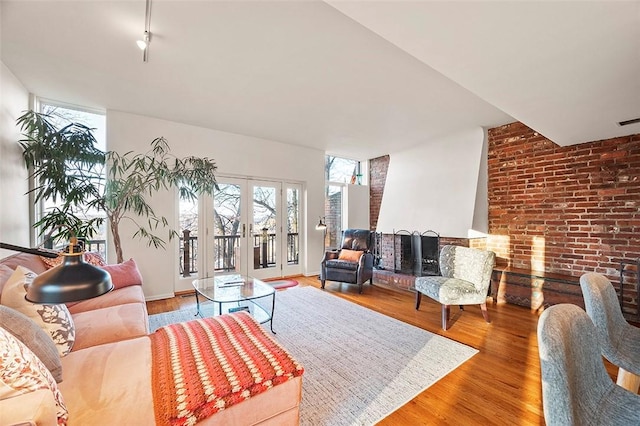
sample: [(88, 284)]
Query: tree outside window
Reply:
[(61, 116)]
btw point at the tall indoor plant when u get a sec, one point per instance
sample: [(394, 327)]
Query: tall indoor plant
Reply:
[(65, 165)]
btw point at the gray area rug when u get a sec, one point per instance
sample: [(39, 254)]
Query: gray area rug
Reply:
[(359, 365)]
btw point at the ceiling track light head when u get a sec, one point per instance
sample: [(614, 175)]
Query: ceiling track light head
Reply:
[(146, 39)]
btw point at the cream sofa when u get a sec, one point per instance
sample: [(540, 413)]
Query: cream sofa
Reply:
[(107, 375)]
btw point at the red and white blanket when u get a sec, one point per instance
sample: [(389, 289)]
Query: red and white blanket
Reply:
[(202, 366)]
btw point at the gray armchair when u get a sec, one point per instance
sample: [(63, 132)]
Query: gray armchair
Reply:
[(576, 389), (352, 263), (619, 340), (466, 276)]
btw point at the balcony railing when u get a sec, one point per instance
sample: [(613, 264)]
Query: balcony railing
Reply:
[(226, 250), (97, 246)]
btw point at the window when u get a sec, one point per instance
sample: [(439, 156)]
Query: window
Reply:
[(342, 170), (62, 115), (338, 173)]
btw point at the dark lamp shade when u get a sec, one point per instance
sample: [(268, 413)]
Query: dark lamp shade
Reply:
[(72, 281)]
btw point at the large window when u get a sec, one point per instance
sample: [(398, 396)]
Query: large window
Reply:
[(62, 115), (338, 173)]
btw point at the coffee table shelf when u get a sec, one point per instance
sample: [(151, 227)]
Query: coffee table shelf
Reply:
[(238, 290)]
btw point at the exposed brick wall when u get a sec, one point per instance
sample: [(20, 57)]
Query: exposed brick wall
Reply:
[(377, 178), (565, 210)]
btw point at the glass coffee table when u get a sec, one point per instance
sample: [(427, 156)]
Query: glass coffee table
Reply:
[(239, 290)]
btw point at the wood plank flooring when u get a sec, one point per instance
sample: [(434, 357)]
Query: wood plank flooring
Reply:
[(498, 386)]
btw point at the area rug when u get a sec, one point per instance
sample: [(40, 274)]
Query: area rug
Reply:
[(359, 365), (279, 284)]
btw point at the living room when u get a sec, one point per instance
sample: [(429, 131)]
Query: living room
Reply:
[(458, 96)]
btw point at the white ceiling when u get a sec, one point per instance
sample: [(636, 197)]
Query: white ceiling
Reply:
[(359, 79)]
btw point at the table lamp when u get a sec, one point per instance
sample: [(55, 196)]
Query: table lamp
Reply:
[(71, 281)]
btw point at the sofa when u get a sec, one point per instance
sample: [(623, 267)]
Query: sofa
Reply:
[(106, 377)]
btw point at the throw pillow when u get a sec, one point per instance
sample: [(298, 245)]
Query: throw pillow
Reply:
[(33, 337), (350, 255), (54, 319), (91, 258), (124, 274), (5, 274), (22, 372)]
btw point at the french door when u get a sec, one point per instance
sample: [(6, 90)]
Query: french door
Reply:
[(256, 227)]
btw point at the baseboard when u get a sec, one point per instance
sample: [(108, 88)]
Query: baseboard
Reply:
[(159, 297)]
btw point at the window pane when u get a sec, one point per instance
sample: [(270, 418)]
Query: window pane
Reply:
[(264, 226), (333, 216), (188, 260), (62, 116), (341, 170), (293, 215), (226, 209)]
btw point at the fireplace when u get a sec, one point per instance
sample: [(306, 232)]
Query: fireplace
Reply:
[(416, 253)]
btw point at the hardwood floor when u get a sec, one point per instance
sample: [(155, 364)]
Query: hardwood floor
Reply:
[(498, 386)]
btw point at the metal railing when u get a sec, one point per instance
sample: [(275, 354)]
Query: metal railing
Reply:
[(226, 250), (631, 269), (98, 246)]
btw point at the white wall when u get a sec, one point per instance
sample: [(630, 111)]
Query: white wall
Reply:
[(481, 212), (234, 155), (14, 204), (433, 186)]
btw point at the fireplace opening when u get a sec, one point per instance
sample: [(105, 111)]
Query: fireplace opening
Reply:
[(416, 253)]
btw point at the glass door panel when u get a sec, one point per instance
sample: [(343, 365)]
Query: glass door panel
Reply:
[(291, 240), (229, 226), (266, 230)]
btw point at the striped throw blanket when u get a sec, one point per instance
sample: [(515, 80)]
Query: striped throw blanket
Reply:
[(202, 366)]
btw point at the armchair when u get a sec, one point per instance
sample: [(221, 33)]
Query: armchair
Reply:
[(352, 263), (466, 276), (576, 388), (619, 340)]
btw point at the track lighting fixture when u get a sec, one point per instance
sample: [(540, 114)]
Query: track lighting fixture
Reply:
[(144, 43), (146, 39)]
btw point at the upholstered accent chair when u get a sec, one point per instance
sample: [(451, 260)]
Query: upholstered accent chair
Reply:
[(465, 279), (576, 389), (619, 341), (352, 263)]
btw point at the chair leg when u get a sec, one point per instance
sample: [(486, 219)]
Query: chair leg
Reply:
[(485, 313), (322, 284), (628, 380), (445, 316), (360, 288), (418, 299)]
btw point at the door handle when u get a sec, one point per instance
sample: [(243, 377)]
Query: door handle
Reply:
[(244, 230)]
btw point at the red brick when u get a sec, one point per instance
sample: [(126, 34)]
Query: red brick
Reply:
[(582, 199)]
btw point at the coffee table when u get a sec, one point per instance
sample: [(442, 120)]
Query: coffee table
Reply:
[(236, 288)]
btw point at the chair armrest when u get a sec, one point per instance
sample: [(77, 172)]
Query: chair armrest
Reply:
[(33, 408), (366, 260), (328, 255)]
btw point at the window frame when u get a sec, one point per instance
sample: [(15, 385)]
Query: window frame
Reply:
[(37, 208)]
